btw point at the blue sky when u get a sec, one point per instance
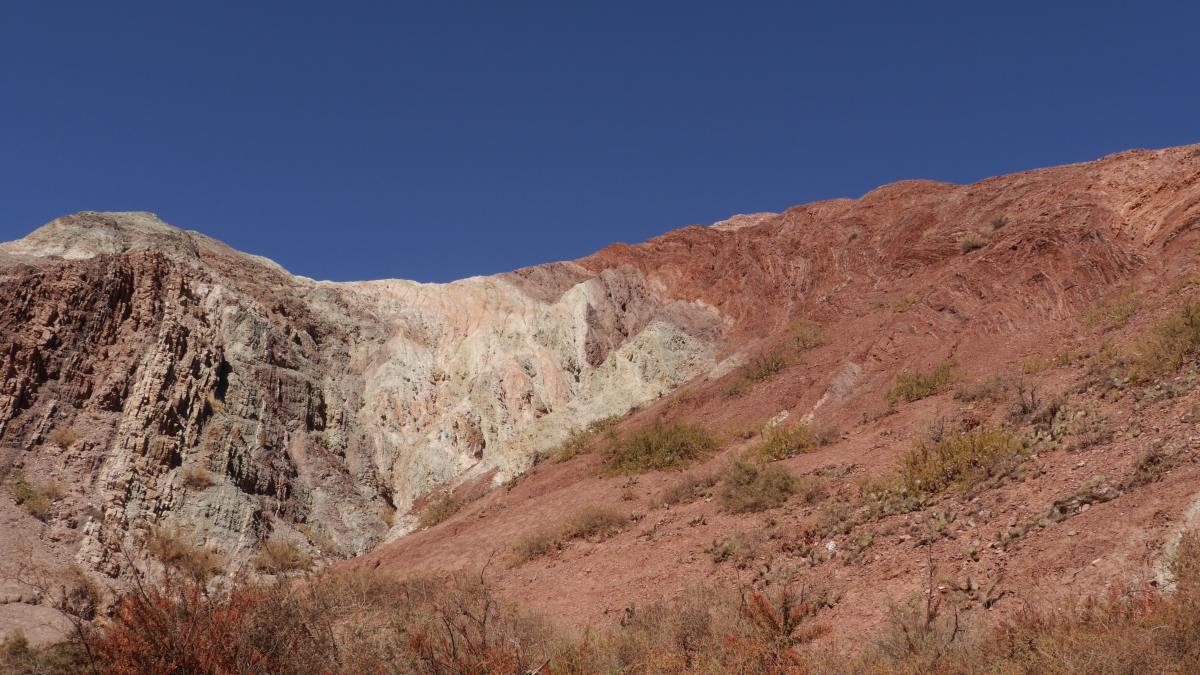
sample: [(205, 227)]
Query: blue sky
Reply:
[(432, 141)]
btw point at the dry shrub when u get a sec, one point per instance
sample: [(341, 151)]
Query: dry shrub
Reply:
[(991, 389), (764, 366), (440, 508), (197, 477), (688, 488), (37, 500), (19, 657), (367, 623), (963, 459), (593, 523), (1112, 312), (658, 447), (64, 437), (197, 563), (902, 305), (971, 241), (746, 488), (1174, 341), (805, 335), (1150, 467), (912, 386), (580, 441), (781, 442), (279, 556)]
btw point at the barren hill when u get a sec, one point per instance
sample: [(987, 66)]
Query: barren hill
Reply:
[(163, 382)]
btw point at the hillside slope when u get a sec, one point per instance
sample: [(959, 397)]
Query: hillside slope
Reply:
[(163, 382)]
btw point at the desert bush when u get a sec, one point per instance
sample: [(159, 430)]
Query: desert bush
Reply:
[(764, 366), (19, 657), (319, 538), (357, 622), (780, 442), (963, 459), (990, 389), (387, 513), (580, 441), (1173, 342), (805, 335), (688, 488), (971, 241), (914, 386), (659, 447), (37, 500), (64, 437), (904, 304), (1150, 466), (746, 488), (999, 222), (174, 551), (197, 477), (593, 523), (1112, 312), (279, 556), (443, 505)]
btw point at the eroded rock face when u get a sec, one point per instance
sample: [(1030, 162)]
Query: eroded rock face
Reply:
[(312, 408)]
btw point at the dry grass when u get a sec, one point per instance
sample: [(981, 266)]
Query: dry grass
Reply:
[(688, 488), (1173, 342), (592, 523), (1112, 312), (368, 623), (198, 563), (781, 442), (580, 441), (992, 389), (914, 386), (961, 460), (746, 488), (764, 366), (197, 477), (443, 505), (37, 500), (971, 241), (64, 437), (659, 447), (279, 556), (904, 304)]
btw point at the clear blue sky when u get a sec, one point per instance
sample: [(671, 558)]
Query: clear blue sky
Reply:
[(436, 140)]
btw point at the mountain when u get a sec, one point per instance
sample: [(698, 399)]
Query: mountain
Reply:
[(153, 380)]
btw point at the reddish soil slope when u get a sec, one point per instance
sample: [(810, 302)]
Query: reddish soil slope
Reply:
[(1025, 277)]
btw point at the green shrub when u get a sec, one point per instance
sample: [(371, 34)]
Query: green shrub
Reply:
[(659, 447), (916, 386), (781, 442), (963, 459)]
